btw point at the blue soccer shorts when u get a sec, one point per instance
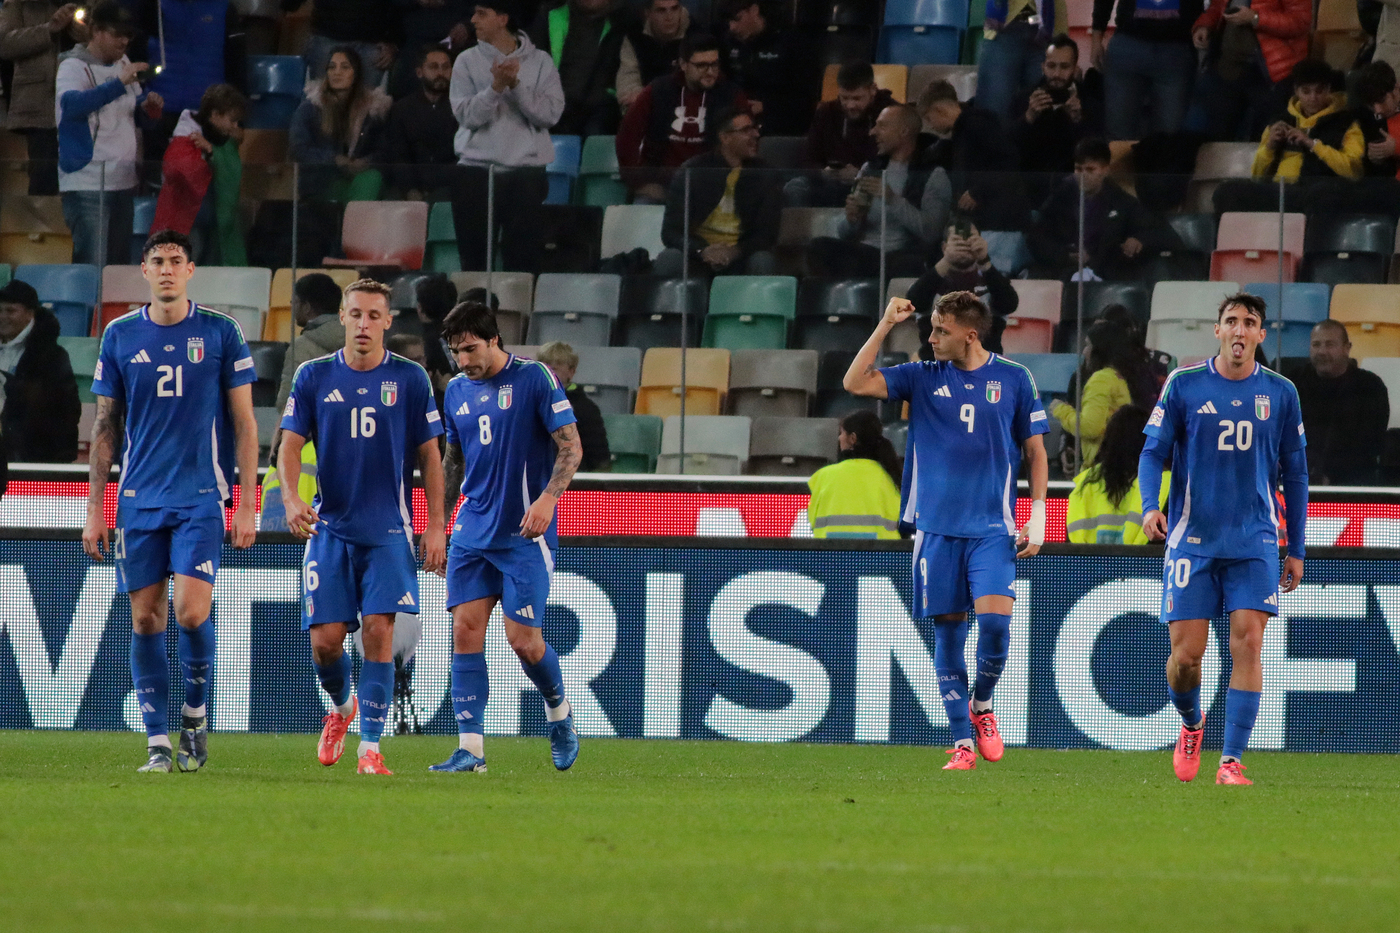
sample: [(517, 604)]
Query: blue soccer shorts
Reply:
[(518, 575), (950, 574), (341, 581), (151, 544), (1195, 587)]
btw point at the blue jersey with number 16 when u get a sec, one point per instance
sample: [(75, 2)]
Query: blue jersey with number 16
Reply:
[(367, 427)]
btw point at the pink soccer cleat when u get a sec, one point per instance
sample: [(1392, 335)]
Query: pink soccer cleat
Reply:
[(964, 759), (984, 726), (372, 763), (1186, 760), (333, 729), (1231, 772)]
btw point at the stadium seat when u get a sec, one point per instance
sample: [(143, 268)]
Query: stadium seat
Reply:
[(268, 356), (1346, 268), (1197, 231), (1237, 265), (892, 78), (715, 445), (1260, 230), (1052, 371), (123, 288), (918, 32), (631, 226), (1216, 162), (278, 325), (835, 44), (833, 401), (792, 446), (750, 312), (1175, 265), (822, 13), (577, 309), (1388, 368), (1176, 301), (14, 156), (275, 87), (515, 294), (1337, 36), (70, 291), (384, 233), (963, 78), (1349, 233), (32, 231), (570, 238), (241, 293), (1008, 251), (1292, 314), (562, 171), (609, 376), (796, 228), (82, 354), (1371, 314), (650, 311), (405, 292), (143, 214), (441, 246), (706, 381), (599, 178), (1097, 296), (1032, 328), (772, 383), (634, 441), (785, 153), (836, 314)]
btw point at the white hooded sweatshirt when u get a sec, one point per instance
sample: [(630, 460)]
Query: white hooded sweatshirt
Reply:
[(510, 128)]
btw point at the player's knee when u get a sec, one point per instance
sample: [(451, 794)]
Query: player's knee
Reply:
[(1246, 643), (527, 643), (1188, 655)]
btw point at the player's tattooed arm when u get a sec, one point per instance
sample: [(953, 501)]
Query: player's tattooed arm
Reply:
[(107, 430), (566, 464), (453, 468)]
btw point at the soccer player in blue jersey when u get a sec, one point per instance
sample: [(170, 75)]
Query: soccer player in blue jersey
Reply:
[(512, 448), (170, 378), (1232, 429), (370, 414), (973, 416)]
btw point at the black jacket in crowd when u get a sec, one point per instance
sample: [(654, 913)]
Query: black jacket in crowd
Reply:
[(354, 20), (417, 149), (981, 160), (1111, 217), (585, 93), (773, 69), (40, 421), (1346, 420), (592, 433), (1047, 145), (757, 200), (991, 286)]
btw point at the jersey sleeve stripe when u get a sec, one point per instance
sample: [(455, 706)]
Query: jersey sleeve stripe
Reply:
[(1171, 377), (548, 373), (1035, 390), (215, 312)]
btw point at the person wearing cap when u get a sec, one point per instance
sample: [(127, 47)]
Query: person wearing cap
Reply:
[(39, 405), (97, 96)]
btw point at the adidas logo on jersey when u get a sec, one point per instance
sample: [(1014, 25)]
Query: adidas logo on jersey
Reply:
[(407, 600), (1207, 409), (943, 392), (141, 357), (206, 568), (335, 396), (527, 612), (463, 409)]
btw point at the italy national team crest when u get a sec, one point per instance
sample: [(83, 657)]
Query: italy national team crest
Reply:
[(389, 393), (503, 397), (994, 392), (195, 349), (1261, 407)]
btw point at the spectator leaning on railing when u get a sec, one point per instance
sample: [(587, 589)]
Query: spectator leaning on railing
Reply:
[(32, 34)]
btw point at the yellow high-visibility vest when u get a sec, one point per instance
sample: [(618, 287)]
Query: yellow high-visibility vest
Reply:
[(274, 514), (1092, 518), (853, 499)]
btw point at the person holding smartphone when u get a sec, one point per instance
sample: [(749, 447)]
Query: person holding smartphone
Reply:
[(1056, 114)]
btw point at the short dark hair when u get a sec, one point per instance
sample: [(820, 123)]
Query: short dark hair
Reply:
[(319, 291), (935, 92), (726, 116), (472, 318), (697, 42), (1063, 41), (428, 49), (110, 16), (435, 296), (482, 296), (732, 8), (167, 237), (500, 7), (854, 75), (967, 309), (1374, 82), (1093, 149), (1312, 71), (221, 98), (1251, 303)]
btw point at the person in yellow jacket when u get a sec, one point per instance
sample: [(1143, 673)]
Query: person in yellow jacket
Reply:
[(1105, 506), (274, 515), (1320, 136), (858, 496), (1122, 375)]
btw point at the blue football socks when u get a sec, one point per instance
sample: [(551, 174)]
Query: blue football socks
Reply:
[(1188, 704), (150, 673), (376, 690), (1241, 707), (335, 679), (993, 645), (470, 689), (196, 659), (545, 675), (949, 639)]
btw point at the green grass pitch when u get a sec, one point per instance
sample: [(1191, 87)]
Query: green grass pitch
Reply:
[(681, 836)]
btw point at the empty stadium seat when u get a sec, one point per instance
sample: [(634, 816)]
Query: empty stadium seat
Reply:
[(232, 288), (83, 353), (631, 226), (1388, 368), (715, 445), (1337, 36), (568, 151), (515, 294), (797, 227), (33, 231), (750, 312), (706, 381), (123, 288), (384, 233), (442, 255), (1052, 371), (835, 44), (1345, 268), (651, 311), (1216, 162), (837, 12), (918, 32), (786, 153), (772, 383), (609, 376), (1349, 233), (143, 214), (892, 78), (1259, 230), (275, 86), (599, 178), (1244, 264), (1197, 231), (835, 314), (1184, 315), (278, 325), (70, 291), (1291, 314), (833, 401), (1032, 328), (792, 446), (1097, 296), (578, 309), (1175, 265), (634, 441), (570, 237), (1371, 314)]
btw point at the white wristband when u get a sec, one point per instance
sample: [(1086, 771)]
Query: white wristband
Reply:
[(1035, 528)]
